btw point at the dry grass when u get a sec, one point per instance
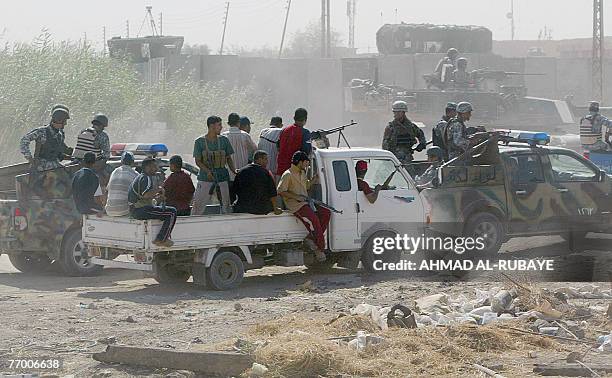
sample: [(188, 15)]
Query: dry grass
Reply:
[(298, 346)]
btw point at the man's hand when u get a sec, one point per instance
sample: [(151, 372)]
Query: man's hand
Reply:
[(278, 211), (420, 147), (210, 176)]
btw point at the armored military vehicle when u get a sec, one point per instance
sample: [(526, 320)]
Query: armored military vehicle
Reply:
[(39, 223)]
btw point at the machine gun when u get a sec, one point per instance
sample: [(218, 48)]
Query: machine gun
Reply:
[(498, 75), (321, 135), (313, 203)]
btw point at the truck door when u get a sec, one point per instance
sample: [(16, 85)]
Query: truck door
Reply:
[(529, 195), (342, 234), (399, 206), (583, 193)]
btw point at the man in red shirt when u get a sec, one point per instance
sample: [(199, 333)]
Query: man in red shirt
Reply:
[(292, 139), (179, 188), (361, 168)]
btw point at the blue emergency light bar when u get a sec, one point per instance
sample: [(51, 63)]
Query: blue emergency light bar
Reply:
[(147, 149), (530, 137)]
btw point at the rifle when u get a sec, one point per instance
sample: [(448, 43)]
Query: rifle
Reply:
[(312, 202), (499, 75), (322, 134), (216, 188)]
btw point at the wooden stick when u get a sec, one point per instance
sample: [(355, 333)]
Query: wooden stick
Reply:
[(565, 329), (487, 371), (588, 368), (516, 283), (554, 337)]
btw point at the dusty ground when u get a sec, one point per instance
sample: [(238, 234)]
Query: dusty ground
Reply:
[(64, 317)]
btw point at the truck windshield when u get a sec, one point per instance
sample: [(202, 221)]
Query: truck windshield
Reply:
[(567, 168), (380, 169)]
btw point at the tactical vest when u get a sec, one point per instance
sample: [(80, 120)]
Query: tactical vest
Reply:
[(448, 139), (405, 136), (52, 149), (86, 143), (587, 135)]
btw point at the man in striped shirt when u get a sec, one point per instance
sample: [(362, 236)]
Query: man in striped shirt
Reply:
[(119, 185), (243, 147)]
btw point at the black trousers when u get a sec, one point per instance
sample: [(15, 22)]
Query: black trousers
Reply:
[(167, 215)]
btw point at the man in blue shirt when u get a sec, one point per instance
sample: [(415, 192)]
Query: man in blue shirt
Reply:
[(141, 196), (85, 186)]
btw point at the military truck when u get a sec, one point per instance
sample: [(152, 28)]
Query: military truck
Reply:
[(39, 223), (513, 184)]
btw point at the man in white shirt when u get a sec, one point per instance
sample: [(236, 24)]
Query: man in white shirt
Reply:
[(242, 144), (119, 185), (268, 141)]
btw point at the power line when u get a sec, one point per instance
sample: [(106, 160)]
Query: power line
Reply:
[(280, 50), (224, 27)]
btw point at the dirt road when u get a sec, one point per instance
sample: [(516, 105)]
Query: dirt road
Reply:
[(69, 318)]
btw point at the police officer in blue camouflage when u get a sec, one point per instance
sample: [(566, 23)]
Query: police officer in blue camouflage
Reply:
[(50, 148), (435, 155), (401, 134), (456, 136), (438, 131), (595, 130)]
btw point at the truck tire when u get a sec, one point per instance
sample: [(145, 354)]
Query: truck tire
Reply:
[(30, 262), (368, 257), (576, 240), (170, 274), (487, 226), (225, 272), (74, 259)]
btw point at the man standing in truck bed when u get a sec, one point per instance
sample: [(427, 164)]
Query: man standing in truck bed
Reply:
[(401, 134), (50, 148)]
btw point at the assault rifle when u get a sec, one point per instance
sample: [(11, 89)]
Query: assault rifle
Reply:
[(322, 135), (313, 202)]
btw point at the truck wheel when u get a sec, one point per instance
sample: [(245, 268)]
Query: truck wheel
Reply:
[(166, 273), (486, 226), (226, 271), (576, 240), (74, 259), (369, 258), (30, 262)]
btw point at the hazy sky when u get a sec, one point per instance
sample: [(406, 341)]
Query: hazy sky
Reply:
[(254, 23)]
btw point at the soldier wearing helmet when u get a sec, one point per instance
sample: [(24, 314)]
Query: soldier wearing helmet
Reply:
[(438, 132), (595, 130), (95, 139), (401, 134), (456, 137), (435, 155), (461, 77), (50, 148), (447, 65)]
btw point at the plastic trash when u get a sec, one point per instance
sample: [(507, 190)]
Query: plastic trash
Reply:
[(361, 340), (551, 331), (502, 301), (489, 317), (258, 370), (606, 343)]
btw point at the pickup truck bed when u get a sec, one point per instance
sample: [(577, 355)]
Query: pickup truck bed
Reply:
[(194, 232)]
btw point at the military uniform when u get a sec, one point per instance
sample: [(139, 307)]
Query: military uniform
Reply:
[(399, 138), (456, 138), (461, 78), (591, 135), (427, 177), (50, 147), (438, 132), (91, 140)]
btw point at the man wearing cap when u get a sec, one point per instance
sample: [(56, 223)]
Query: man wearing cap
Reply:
[(242, 144), (119, 185), (438, 132), (435, 157), (268, 142), (456, 136), (86, 187), (401, 134), (595, 130), (50, 148), (293, 187), (179, 188), (361, 168)]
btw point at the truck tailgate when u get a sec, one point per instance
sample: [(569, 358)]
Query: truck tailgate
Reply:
[(195, 232)]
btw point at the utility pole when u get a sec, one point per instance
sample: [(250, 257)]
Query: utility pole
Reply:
[(598, 50), (280, 50), (323, 32), (127, 29), (224, 27), (350, 12), (510, 16), (161, 32), (328, 29), (104, 40)]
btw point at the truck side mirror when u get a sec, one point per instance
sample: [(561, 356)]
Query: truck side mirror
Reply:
[(602, 175)]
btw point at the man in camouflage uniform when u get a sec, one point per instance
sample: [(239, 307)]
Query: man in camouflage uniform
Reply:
[(456, 137), (50, 148), (435, 157), (401, 134), (449, 60), (595, 130), (438, 132), (461, 77)]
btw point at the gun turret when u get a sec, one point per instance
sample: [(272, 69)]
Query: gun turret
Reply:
[(321, 135)]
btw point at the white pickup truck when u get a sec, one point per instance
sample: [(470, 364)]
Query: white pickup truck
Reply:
[(217, 249)]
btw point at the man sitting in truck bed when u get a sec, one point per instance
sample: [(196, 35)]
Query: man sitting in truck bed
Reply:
[(255, 188), (293, 188)]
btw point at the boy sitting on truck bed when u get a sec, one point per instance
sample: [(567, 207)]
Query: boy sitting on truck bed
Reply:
[(140, 197), (179, 188), (293, 188)]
